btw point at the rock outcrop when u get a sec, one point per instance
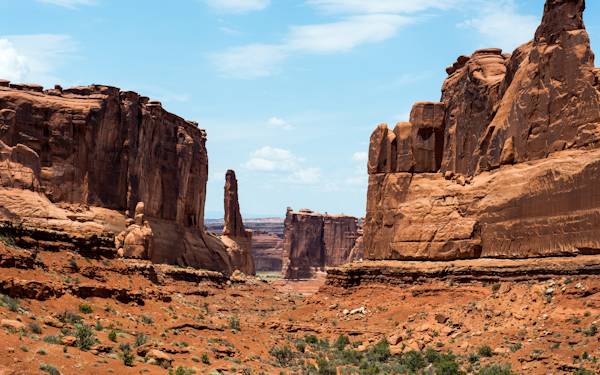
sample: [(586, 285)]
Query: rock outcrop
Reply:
[(505, 165), (67, 155), (237, 239), (313, 241)]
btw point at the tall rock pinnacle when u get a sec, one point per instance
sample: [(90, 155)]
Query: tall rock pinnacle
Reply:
[(234, 226), (559, 16)]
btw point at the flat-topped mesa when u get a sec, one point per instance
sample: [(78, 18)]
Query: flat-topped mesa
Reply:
[(98, 146), (313, 241), (518, 131), (237, 239)]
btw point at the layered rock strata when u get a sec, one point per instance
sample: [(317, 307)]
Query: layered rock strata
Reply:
[(76, 163), (237, 239), (505, 165), (313, 241)]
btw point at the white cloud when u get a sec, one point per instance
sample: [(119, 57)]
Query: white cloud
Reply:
[(346, 34), (360, 157), (13, 66), (271, 159), (499, 24), (238, 6), (305, 176), (380, 6), (279, 123), (34, 58), (69, 3), (249, 61)]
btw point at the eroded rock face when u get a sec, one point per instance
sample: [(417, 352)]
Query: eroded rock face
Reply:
[(313, 241), (98, 146), (514, 175), (237, 239)]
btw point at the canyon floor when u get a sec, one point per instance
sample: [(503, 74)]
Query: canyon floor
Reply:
[(62, 313)]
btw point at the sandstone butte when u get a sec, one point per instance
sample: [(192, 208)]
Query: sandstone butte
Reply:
[(313, 241), (105, 172), (506, 165)]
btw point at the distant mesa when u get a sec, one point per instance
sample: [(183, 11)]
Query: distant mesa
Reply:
[(314, 241)]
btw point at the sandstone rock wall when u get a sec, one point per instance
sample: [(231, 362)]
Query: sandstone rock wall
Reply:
[(504, 165), (313, 241), (98, 146)]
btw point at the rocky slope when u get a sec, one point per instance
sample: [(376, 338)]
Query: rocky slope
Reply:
[(505, 165), (313, 241), (82, 165)]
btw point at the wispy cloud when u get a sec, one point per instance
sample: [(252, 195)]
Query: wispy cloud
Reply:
[(249, 61), (345, 35), (34, 58), (380, 6), (72, 4), (279, 123), (238, 6), (283, 164), (499, 24)]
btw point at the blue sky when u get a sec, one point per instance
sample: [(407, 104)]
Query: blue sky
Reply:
[(288, 90)]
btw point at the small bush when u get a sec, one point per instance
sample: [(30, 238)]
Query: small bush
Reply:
[(69, 318), (112, 336), (11, 303), (41, 352), (35, 328), (52, 340), (380, 352), (283, 355), (341, 342), (591, 331), (583, 371), (516, 347), (49, 369), (234, 323), (85, 336), (496, 370), (485, 351), (147, 320), (126, 355), (413, 361), (84, 308), (495, 287), (311, 339), (182, 371), (98, 326), (300, 346), (140, 339), (205, 359)]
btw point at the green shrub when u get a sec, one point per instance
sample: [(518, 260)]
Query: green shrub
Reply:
[(112, 335), (583, 371), (516, 347), (52, 340), (283, 355), (49, 369), (496, 369), (85, 336), (69, 317), (325, 367), (591, 331), (311, 339), (234, 323), (379, 352), (300, 346), (126, 355), (485, 351), (147, 320), (182, 371), (84, 308), (140, 339), (341, 342), (11, 303), (205, 359), (35, 328), (413, 361)]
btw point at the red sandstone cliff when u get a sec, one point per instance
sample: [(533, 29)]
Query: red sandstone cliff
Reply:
[(506, 165), (73, 161), (313, 241)]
